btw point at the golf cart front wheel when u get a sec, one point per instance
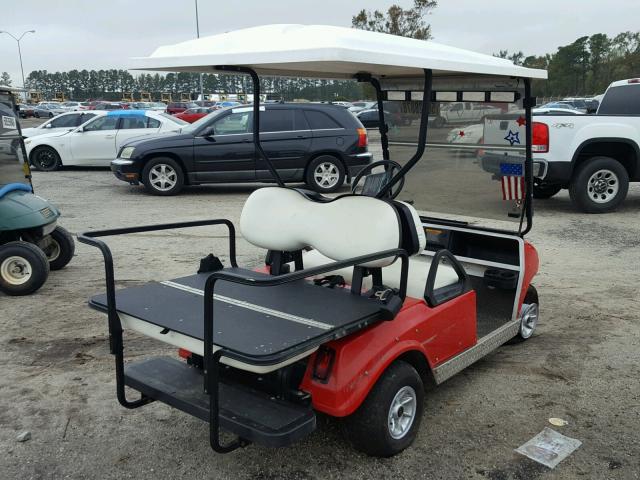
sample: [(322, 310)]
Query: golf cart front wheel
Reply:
[(529, 316), (388, 420), (23, 268), (61, 248)]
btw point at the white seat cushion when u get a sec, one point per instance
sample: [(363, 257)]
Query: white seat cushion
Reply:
[(416, 280), (283, 219)]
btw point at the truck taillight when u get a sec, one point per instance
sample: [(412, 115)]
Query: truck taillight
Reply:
[(363, 139), (540, 139), (323, 363), (634, 80)]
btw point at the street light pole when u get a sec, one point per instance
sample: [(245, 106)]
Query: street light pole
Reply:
[(20, 54), (198, 36)]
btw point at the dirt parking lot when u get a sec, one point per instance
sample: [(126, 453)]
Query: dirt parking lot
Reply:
[(583, 365)]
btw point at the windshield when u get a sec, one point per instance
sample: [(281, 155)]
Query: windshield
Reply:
[(473, 165), (12, 161)]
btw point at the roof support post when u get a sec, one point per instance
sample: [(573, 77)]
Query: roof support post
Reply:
[(529, 103), (382, 125), (422, 135), (256, 116)]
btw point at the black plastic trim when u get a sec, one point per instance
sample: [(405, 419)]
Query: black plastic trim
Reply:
[(435, 297)]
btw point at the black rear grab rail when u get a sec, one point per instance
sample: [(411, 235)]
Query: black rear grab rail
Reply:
[(116, 344), (211, 359)]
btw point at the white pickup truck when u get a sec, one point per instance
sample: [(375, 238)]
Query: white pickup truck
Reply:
[(594, 156), (463, 112)]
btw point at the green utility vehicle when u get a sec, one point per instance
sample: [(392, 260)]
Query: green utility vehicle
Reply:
[(31, 242)]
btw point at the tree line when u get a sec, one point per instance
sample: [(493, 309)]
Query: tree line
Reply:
[(586, 66), (111, 84)]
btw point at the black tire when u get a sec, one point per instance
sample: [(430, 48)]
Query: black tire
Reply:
[(50, 115), (526, 332), (45, 159), (593, 185), (36, 114), (62, 250), (173, 181), (369, 430), (329, 166), (543, 191), (16, 258)]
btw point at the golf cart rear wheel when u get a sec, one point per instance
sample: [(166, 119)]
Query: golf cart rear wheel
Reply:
[(23, 268), (45, 159), (61, 250), (325, 174), (388, 420), (162, 176), (529, 316)]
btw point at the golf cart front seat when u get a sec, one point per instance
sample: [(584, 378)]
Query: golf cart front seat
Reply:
[(285, 220)]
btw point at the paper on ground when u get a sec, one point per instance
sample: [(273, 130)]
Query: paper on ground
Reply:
[(549, 447)]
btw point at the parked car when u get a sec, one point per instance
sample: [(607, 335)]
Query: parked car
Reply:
[(360, 106), (463, 112), (71, 106), (108, 106), (96, 142), (62, 123), (577, 103), (179, 107), (556, 110), (593, 156), (225, 104), (47, 110), (26, 110), (313, 143), (193, 114)]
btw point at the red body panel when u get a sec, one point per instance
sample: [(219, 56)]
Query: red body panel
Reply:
[(531, 265), (438, 333)]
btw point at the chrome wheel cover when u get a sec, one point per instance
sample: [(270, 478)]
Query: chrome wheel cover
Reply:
[(402, 412), (603, 186), (163, 177), (326, 175), (528, 319), (16, 270)]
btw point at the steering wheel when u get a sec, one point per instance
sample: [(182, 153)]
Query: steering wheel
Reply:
[(376, 181)]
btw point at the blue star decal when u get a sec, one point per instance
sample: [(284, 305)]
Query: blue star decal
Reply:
[(513, 137)]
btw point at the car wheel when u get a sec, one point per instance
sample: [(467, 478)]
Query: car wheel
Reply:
[(37, 115), (163, 176), (599, 185), (50, 115), (23, 268), (388, 420), (542, 191), (529, 316), (325, 174), (61, 249), (45, 159)]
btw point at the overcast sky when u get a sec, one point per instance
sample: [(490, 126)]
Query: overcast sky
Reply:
[(105, 33)]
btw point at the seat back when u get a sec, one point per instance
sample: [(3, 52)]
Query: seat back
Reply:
[(282, 219)]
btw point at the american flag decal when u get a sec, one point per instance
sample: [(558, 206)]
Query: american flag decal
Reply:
[(512, 181)]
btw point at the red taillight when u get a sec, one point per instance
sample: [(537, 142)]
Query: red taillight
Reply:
[(540, 139), (323, 363), (363, 139), (182, 353), (634, 80)]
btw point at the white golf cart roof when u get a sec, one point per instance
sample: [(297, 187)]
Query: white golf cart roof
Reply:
[(324, 51)]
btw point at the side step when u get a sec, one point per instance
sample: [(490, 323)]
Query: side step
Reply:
[(252, 415)]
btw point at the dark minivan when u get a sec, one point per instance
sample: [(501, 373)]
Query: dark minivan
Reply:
[(318, 144)]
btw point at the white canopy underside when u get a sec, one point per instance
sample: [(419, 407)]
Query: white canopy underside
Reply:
[(322, 51)]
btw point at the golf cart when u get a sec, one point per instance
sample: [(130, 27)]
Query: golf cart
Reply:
[(31, 242), (363, 298)]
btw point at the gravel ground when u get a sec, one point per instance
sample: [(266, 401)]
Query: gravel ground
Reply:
[(582, 365)]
